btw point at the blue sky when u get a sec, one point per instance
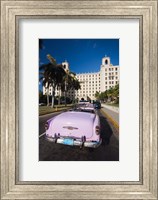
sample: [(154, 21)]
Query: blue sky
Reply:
[(83, 55)]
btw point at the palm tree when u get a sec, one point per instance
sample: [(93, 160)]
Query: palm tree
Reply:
[(57, 78), (109, 94), (52, 77), (65, 86), (74, 84), (116, 93), (70, 82), (97, 95), (45, 77)]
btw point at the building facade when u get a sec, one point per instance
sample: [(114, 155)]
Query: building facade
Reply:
[(107, 77)]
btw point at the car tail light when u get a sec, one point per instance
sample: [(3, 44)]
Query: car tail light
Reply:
[(46, 126), (97, 130)]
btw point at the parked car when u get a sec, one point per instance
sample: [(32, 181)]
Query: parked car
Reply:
[(86, 106), (80, 127), (83, 102), (97, 105)]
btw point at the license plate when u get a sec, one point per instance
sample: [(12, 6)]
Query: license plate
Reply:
[(68, 141)]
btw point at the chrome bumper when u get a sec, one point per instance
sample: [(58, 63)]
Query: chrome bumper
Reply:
[(91, 144)]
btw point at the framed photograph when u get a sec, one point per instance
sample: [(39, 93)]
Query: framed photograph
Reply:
[(78, 99), (82, 105)]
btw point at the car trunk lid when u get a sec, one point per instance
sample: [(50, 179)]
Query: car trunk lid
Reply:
[(73, 124)]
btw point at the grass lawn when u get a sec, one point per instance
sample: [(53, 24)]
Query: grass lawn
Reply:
[(43, 110)]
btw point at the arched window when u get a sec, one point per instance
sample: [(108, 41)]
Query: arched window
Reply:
[(106, 62)]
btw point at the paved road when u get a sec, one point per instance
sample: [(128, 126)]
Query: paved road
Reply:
[(114, 114), (107, 151)]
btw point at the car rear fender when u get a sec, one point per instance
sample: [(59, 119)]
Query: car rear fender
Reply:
[(96, 123)]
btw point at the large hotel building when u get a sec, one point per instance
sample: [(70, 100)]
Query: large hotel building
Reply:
[(107, 77)]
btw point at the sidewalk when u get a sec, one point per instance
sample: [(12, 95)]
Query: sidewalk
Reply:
[(112, 108), (112, 113)]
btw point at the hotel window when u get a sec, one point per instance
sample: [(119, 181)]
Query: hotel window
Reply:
[(109, 74), (105, 78), (105, 74), (115, 69), (109, 82), (116, 77), (112, 82), (109, 69), (116, 82), (116, 73)]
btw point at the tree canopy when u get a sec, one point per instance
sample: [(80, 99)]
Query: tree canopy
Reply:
[(111, 95), (54, 75)]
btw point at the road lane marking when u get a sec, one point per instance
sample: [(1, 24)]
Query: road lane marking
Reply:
[(115, 124), (42, 134)]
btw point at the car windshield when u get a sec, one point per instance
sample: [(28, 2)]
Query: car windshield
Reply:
[(98, 103), (84, 110)]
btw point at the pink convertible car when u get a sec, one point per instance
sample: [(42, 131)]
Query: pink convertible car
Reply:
[(79, 127)]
